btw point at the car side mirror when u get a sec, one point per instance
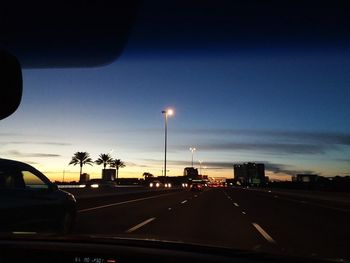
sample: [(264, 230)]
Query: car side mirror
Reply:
[(10, 84), (53, 187)]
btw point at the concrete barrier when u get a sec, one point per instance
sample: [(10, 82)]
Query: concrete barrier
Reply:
[(83, 193)]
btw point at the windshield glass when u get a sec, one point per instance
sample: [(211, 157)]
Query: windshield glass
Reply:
[(191, 135)]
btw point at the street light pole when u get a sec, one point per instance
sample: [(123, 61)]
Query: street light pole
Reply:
[(166, 113), (64, 173), (192, 149)]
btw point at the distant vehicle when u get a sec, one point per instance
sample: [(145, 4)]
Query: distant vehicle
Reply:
[(158, 184), (29, 201), (99, 183), (196, 187), (155, 184), (168, 185)]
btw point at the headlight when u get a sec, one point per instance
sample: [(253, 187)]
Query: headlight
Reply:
[(169, 185), (151, 185), (157, 184), (94, 186)]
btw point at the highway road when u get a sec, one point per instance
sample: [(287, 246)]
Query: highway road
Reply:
[(231, 217)]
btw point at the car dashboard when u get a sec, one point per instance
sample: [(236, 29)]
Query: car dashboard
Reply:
[(125, 250)]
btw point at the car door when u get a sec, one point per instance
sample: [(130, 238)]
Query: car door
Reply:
[(26, 201), (15, 210), (44, 202)]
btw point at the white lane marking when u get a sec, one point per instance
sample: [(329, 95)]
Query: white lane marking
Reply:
[(244, 213), (183, 202), (120, 203), (140, 225), (195, 195), (169, 208), (236, 204), (264, 233)]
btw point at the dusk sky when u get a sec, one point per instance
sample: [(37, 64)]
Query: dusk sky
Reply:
[(288, 108)]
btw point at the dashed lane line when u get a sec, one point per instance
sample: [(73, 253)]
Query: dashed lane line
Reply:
[(134, 228), (264, 233)]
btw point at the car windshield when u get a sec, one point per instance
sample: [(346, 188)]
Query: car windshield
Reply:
[(209, 128)]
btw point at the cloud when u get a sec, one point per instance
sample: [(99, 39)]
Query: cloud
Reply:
[(20, 154), (342, 160), (276, 168), (130, 164), (9, 134), (266, 141), (297, 136), (270, 148), (31, 163), (38, 143), (156, 161), (284, 169)]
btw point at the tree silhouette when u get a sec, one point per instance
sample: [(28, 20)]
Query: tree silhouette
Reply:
[(117, 163), (147, 175), (81, 158), (104, 159)]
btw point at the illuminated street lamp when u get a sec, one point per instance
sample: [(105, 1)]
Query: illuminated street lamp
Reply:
[(192, 149), (168, 112)]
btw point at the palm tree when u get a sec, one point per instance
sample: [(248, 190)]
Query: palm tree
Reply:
[(81, 158), (117, 163), (147, 175), (104, 159)]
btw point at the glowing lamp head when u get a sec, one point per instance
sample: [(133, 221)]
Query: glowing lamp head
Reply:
[(170, 112)]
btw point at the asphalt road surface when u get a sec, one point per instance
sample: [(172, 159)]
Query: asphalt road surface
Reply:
[(231, 217)]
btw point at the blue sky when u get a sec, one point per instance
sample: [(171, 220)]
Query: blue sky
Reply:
[(287, 107)]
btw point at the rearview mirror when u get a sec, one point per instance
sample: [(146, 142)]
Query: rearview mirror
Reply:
[(10, 84)]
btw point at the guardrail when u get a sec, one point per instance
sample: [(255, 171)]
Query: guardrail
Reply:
[(87, 192), (64, 186)]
